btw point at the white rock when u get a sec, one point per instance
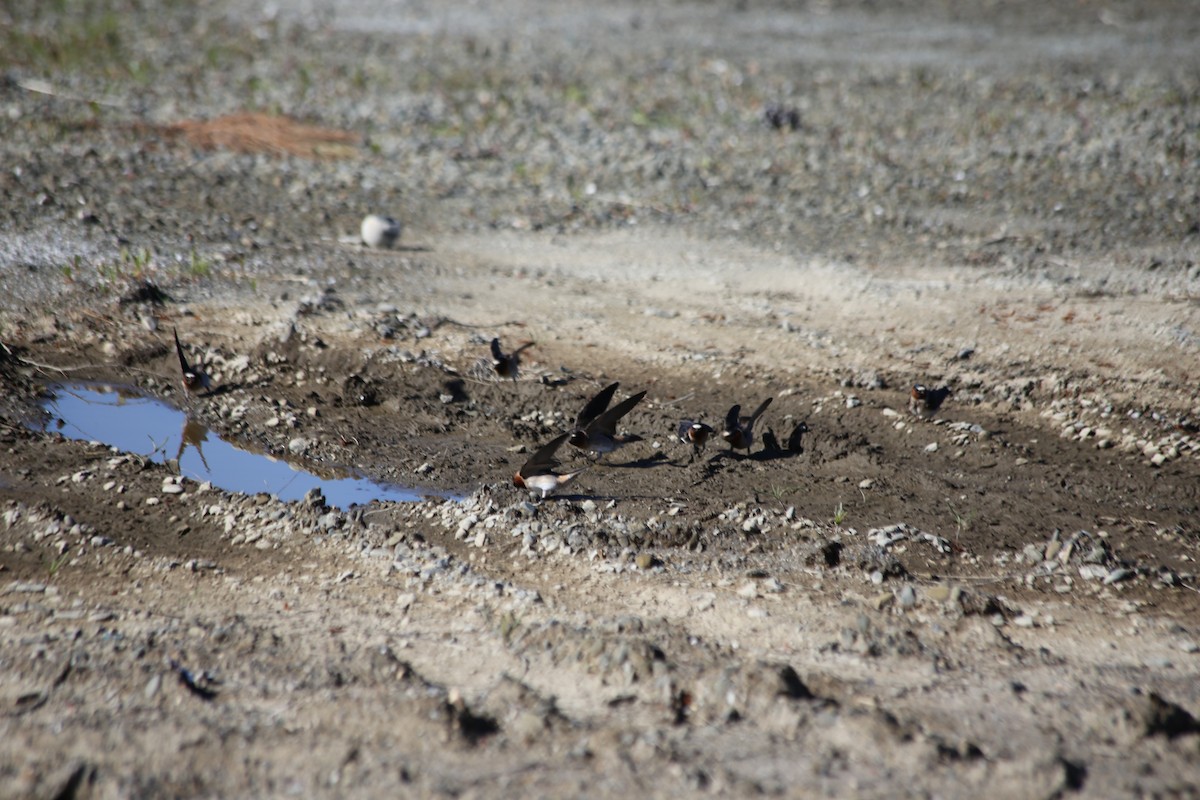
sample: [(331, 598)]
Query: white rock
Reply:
[(379, 231)]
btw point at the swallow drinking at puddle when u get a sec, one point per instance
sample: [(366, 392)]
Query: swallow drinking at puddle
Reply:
[(195, 379), (739, 430), (538, 475)]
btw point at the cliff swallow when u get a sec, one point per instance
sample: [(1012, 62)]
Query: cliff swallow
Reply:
[(538, 475), (694, 433), (507, 365), (599, 433), (195, 379), (925, 402), (795, 442), (739, 430)]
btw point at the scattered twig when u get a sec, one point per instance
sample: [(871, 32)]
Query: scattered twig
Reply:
[(45, 87), (63, 370), (676, 401), (512, 323)]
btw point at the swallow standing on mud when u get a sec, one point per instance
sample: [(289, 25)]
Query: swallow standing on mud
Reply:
[(596, 429), (795, 442), (696, 434), (925, 402), (739, 430), (507, 365), (195, 379), (538, 475)]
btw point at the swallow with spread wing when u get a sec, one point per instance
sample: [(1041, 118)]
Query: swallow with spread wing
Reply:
[(739, 430), (507, 365), (598, 432), (538, 475)]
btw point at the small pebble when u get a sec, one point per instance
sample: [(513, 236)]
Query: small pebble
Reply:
[(938, 594)]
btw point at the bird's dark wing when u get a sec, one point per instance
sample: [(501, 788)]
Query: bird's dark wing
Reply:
[(606, 423), (497, 353), (543, 460), (762, 407), (183, 365), (596, 406), (731, 418)]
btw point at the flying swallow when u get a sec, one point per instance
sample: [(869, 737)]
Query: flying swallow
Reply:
[(739, 430), (538, 475), (507, 365), (195, 379), (924, 402), (694, 433), (599, 435)]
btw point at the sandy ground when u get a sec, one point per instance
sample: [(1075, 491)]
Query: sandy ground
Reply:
[(1001, 600)]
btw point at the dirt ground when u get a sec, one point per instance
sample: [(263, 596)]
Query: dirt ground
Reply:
[(819, 203)]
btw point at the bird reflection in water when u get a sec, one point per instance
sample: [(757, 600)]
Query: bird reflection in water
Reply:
[(196, 435)]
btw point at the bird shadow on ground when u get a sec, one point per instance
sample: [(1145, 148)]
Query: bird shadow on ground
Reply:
[(658, 459), (394, 249), (759, 456), (224, 388), (577, 497)]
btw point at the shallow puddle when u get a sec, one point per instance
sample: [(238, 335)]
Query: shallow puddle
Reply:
[(133, 423)]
